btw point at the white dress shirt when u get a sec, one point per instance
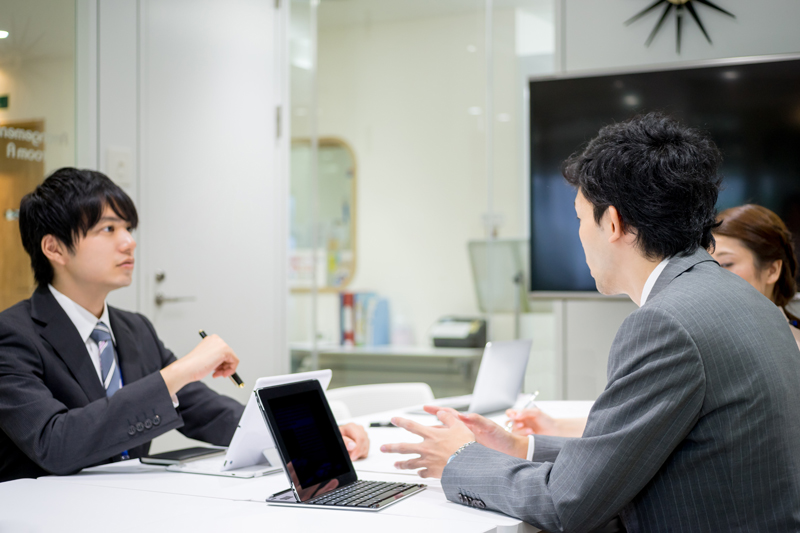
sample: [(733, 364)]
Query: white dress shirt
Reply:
[(85, 322), (651, 280), (648, 286)]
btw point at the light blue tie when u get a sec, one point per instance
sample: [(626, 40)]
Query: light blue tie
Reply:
[(109, 368)]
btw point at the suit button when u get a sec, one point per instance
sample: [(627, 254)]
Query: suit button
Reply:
[(479, 504), (156, 420), (148, 424), (139, 427), (132, 430)]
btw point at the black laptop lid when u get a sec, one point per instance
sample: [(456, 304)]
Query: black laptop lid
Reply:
[(307, 437)]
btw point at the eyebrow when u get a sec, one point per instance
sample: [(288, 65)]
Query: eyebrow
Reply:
[(725, 252), (110, 219)]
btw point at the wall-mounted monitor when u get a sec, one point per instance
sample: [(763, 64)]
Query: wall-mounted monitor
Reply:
[(750, 107)]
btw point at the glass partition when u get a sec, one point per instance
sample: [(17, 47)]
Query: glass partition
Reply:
[(37, 118), (430, 97)]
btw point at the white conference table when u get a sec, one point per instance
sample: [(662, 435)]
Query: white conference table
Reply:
[(130, 496)]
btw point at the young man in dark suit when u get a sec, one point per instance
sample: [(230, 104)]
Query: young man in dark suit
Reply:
[(82, 383)]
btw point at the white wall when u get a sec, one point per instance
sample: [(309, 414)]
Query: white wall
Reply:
[(117, 121), (596, 38)]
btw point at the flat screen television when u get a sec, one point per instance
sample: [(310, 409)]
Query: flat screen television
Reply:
[(751, 108)]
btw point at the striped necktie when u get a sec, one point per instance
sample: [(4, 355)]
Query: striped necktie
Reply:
[(108, 360)]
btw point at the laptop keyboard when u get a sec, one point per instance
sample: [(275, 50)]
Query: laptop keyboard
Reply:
[(367, 494)]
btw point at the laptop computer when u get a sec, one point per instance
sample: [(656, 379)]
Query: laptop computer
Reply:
[(314, 457), (251, 452), (500, 378)]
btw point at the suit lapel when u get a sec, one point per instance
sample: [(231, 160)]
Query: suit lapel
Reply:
[(59, 331), (678, 265), (129, 361)]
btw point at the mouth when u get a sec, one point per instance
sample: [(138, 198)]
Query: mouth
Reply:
[(126, 264)]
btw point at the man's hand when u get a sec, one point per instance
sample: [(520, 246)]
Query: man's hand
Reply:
[(494, 436), (211, 355), (439, 442), (356, 440), (529, 421)]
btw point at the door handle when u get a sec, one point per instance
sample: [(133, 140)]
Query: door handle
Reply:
[(161, 299)]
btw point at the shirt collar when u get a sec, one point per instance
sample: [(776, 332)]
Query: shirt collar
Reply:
[(651, 280), (82, 318)]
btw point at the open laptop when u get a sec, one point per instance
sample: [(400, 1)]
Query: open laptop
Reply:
[(251, 452), (313, 454), (499, 381)]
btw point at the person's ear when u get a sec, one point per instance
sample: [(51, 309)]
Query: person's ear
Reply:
[(615, 224), (773, 271), (54, 250)]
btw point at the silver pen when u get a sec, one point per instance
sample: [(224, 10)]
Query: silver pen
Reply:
[(529, 403)]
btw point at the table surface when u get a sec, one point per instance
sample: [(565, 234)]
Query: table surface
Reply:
[(130, 496)]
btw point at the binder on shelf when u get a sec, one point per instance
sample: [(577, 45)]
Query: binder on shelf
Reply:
[(347, 319), (364, 319)]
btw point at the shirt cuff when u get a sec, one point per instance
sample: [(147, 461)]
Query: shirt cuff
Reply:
[(529, 457), (176, 403)]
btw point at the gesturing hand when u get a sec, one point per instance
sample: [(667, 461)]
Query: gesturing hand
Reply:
[(528, 421), (439, 442), (494, 436)]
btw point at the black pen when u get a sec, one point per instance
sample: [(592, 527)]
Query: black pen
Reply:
[(381, 425), (235, 377)]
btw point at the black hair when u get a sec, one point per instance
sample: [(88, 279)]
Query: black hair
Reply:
[(67, 205), (661, 177)]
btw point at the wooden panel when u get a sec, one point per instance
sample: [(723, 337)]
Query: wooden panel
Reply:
[(21, 170)]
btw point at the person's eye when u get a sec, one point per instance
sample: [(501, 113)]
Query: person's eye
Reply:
[(108, 229), (726, 265)]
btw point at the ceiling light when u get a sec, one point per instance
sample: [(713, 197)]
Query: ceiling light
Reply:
[(3, 34)]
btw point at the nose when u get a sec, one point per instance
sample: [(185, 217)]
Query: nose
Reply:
[(128, 242)]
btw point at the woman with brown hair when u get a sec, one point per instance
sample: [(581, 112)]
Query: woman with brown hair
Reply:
[(752, 242)]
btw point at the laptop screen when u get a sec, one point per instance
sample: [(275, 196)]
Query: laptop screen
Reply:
[(310, 443)]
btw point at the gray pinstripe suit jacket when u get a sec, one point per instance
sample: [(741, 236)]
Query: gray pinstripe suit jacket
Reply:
[(697, 429)]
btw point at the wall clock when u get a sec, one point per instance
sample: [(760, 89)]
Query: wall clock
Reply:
[(680, 7)]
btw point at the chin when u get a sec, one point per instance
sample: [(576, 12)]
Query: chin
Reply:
[(123, 282), (604, 289)]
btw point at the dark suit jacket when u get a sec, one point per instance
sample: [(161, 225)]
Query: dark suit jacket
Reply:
[(696, 431), (55, 417)]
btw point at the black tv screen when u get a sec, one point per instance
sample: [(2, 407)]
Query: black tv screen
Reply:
[(751, 110)]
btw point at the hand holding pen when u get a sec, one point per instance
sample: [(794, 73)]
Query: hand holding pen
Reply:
[(212, 356), (234, 377), (528, 405)]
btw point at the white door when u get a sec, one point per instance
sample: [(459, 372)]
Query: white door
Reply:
[(212, 197)]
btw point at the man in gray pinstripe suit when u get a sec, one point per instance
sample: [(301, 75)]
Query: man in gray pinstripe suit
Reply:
[(696, 429)]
